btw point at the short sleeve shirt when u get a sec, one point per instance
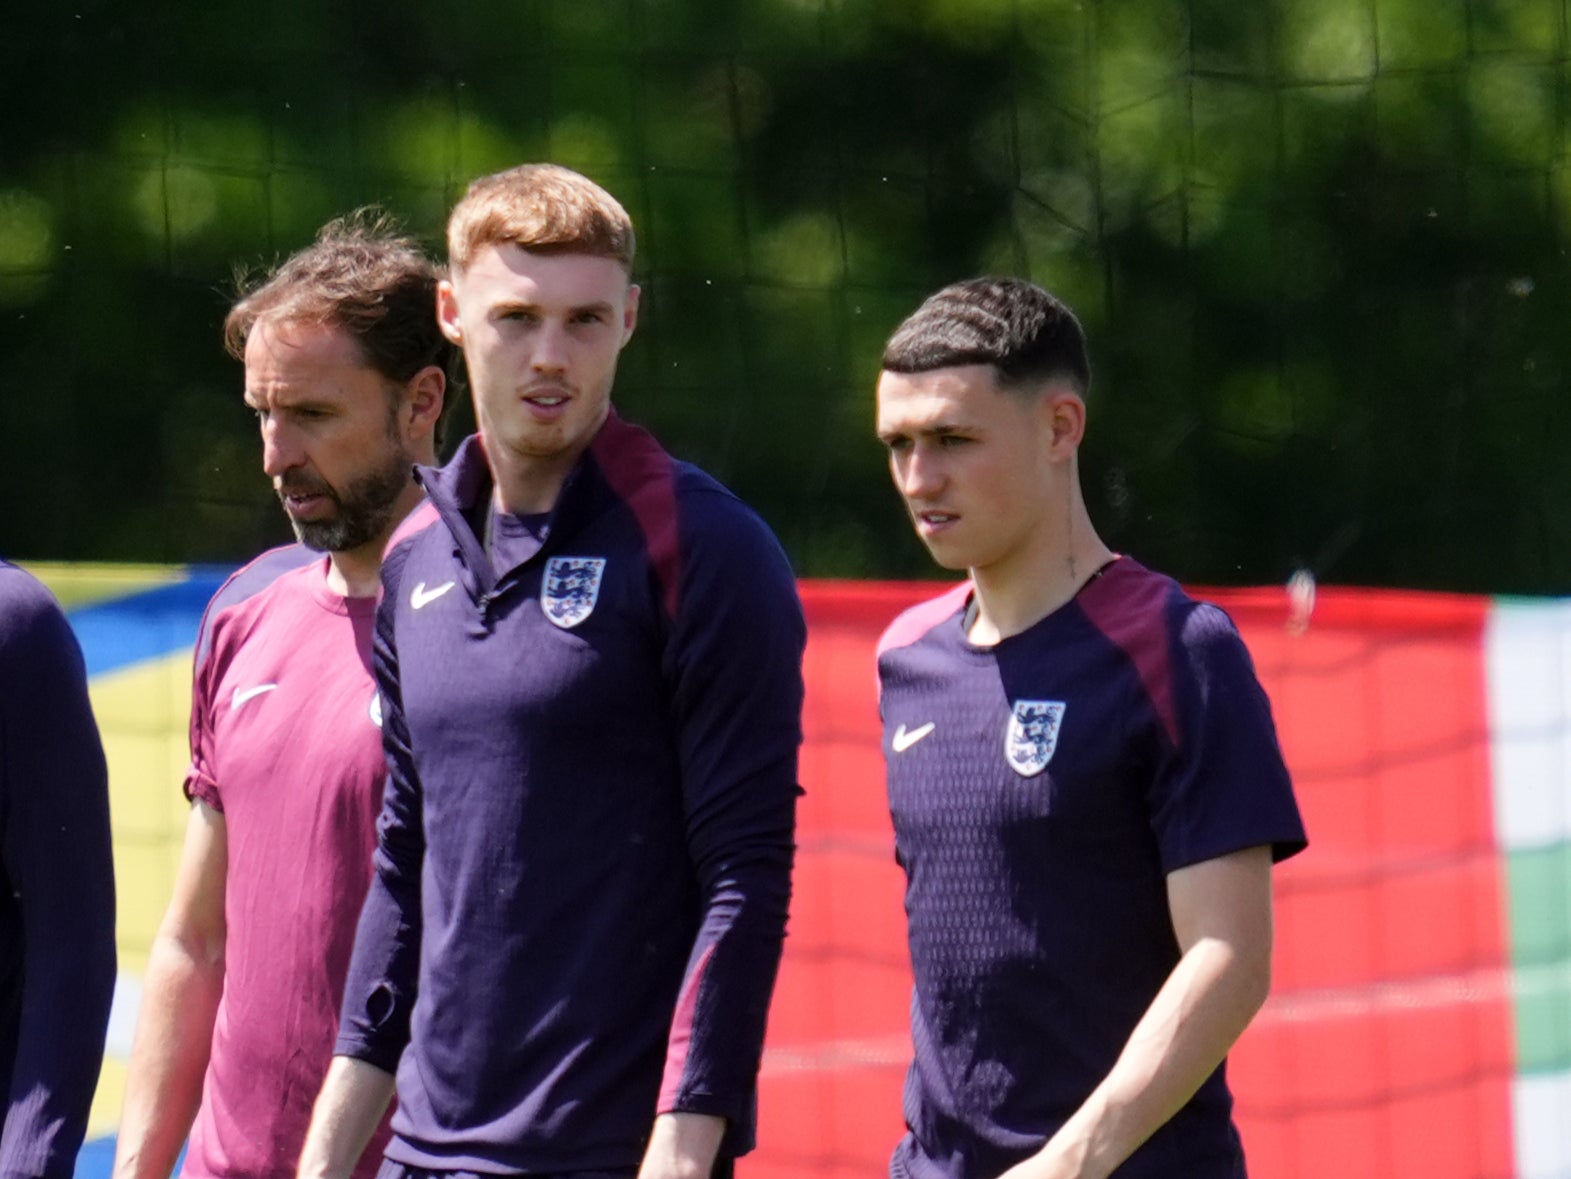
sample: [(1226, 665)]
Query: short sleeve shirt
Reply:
[(286, 742), (1041, 790)]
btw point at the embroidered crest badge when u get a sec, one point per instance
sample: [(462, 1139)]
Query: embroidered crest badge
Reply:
[(1033, 735), (570, 588)]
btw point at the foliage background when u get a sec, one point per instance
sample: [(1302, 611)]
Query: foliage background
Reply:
[(1319, 246)]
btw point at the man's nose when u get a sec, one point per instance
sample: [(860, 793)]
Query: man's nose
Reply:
[(920, 474), (281, 451), (550, 350)]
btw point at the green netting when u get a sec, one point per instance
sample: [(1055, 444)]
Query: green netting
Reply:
[(1318, 245)]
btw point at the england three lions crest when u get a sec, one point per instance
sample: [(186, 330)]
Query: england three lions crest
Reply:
[(572, 586), (1033, 735)]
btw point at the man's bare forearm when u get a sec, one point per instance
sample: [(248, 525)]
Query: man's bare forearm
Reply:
[(174, 1034), (683, 1146), (348, 1110), (1222, 916), (1196, 1018), (180, 996)]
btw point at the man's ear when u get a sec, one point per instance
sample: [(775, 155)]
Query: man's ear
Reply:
[(630, 316), (423, 401), (447, 312), (1064, 411)]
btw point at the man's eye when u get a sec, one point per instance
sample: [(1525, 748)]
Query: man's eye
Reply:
[(898, 445), (949, 441)]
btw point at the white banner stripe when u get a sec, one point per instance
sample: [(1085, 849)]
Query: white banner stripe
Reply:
[(1527, 665), (1527, 662), (1542, 1131)]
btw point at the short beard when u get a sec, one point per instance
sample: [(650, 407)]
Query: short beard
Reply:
[(364, 507)]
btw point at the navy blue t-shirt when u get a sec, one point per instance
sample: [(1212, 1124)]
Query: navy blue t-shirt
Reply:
[(1042, 789)]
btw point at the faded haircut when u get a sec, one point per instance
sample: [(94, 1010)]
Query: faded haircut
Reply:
[(543, 208), (1028, 336)]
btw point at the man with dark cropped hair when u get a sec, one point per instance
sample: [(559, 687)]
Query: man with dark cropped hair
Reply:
[(1084, 778), (346, 372)]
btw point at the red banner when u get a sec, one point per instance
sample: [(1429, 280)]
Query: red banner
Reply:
[(1386, 1047)]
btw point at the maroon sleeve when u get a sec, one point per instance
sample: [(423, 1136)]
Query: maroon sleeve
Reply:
[(200, 782)]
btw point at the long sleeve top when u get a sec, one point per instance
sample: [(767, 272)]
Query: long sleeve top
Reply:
[(57, 898), (586, 840)]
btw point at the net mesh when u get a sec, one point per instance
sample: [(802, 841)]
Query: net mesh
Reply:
[(1316, 244), (1319, 249)]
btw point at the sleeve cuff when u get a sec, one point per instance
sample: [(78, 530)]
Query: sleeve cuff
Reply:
[(738, 1111), (200, 788), (375, 1054)]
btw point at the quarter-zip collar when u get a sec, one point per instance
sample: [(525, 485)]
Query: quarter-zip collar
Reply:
[(461, 492)]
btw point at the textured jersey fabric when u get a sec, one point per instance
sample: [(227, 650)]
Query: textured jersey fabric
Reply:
[(1041, 791), (57, 901), (285, 741), (586, 846)]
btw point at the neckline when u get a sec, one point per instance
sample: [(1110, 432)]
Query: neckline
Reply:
[(330, 599), (969, 612)]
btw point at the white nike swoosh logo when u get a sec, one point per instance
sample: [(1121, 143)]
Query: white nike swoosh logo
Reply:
[(243, 694), (421, 596), (903, 740)]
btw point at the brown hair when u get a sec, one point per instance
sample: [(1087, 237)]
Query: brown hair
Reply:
[(1027, 335), (544, 208), (360, 275)]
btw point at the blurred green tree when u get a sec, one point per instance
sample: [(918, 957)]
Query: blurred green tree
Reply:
[(1318, 246)]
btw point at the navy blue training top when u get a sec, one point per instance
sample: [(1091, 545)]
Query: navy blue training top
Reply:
[(57, 897), (586, 842), (1042, 789)]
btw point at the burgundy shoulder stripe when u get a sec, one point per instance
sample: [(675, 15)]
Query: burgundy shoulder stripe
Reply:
[(246, 582), (423, 516), (643, 477), (1129, 606), (923, 617)]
